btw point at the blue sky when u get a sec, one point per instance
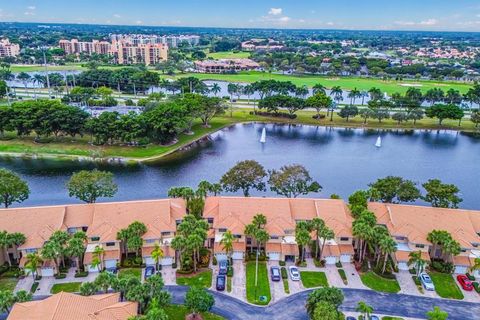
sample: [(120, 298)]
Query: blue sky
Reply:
[(463, 15)]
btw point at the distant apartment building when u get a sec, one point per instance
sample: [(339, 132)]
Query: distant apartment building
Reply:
[(141, 39), (225, 65), (123, 50), (8, 49), (261, 44)]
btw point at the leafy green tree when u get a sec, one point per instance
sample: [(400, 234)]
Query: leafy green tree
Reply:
[(364, 309), (331, 295), (12, 188), (475, 117), (227, 243), (138, 293), (326, 311), (348, 112), (34, 261), (245, 175), (88, 186), (165, 121), (190, 238), (7, 299), (302, 238), (441, 195), (104, 280), (292, 181), (23, 296), (437, 314), (157, 255), (198, 300), (318, 101), (444, 111), (415, 259), (396, 189)]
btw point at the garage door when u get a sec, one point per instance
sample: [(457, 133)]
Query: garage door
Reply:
[(274, 256), (149, 261), (167, 261), (110, 264), (237, 255), (402, 266), (93, 269), (47, 272), (330, 260), (460, 269), (221, 256), (347, 258)]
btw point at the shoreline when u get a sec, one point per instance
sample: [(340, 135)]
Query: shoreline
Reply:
[(189, 144)]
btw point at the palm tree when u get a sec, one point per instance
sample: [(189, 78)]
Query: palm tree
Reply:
[(232, 89), (249, 90), (318, 88), (157, 255), (317, 226), (435, 237), (476, 265), (51, 251), (353, 95), (363, 95), (227, 242), (365, 309), (387, 246), (250, 230), (98, 254), (417, 261), (33, 263), (337, 94), (437, 314), (25, 79), (261, 236), (326, 234), (76, 249), (215, 89), (302, 237), (450, 248)]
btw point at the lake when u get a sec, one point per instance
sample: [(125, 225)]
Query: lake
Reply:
[(341, 160)]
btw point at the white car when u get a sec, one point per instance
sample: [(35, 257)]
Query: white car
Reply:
[(294, 273), (426, 281)]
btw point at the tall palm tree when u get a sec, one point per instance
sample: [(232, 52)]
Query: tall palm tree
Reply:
[(364, 309), (450, 249), (25, 79), (476, 265), (387, 246), (363, 95), (353, 95), (415, 259), (435, 237), (98, 254), (157, 255), (437, 314), (32, 263), (215, 89), (227, 243), (302, 238), (76, 249), (326, 234), (317, 226), (250, 230), (318, 88), (337, 94)]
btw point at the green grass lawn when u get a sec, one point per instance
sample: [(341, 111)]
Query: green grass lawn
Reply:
[(263, 286), (346, 83), (130, 272), (229, 55), (7, 283), (391, 318), (66, 287), (312, 279), (202, 279), (286, 286), (446, 286), (377, 283), (33, 68), (178, 312)]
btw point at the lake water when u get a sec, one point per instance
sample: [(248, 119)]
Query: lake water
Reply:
[(341, 160)]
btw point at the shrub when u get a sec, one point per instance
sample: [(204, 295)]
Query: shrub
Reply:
[(476, 286), (412, 271), (129, 102), (319, 263), (284, 273), (443, 267), (342, 274), (338, 264), (316, 116), (81, 274), (214, 261), (282, 263), (230, 271), (274, 114), (470, 277), (34, 287), (4, 268), (186, 271), (174, 265), (416, 280), (38, 277), (61, 276), (302, 264)]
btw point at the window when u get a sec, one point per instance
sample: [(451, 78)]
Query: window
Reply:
[(110, 244), (249, 241), (71, 230), (344, 238), (150, 240), (222, 230), (274, 237), (237, 236), (210, 220), (464, 250), (178, 221), (30, 250), (166, 233), (400, 238), (95, 238), (419, 246), (288, 231)]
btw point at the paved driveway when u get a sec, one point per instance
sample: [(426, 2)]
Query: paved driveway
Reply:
[(276, 287)]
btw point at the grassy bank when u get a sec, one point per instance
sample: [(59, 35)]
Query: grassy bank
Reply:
[(262, 289), (35, 68), (68, 147), (346, 83)]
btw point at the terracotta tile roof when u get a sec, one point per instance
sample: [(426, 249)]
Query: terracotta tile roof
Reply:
[(237, 246), (346, 249), (69, 306), (290, 249), (234, 213), (147, 251), (331, 251), (108, 255), (462, 261), (416, 222), (404, 256), (274, 247)]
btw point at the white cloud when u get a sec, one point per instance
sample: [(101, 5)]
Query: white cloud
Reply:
[(330, 23), (275, 11), (29, 13), (428, 22), (139, 22), (116, 15), (31, 8)]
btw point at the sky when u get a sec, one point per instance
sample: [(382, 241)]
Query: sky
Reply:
[(441, 15)]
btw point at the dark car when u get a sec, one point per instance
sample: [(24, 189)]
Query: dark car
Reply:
[(149, 271), (275, 273), (221, 283), (222, 267), (465, 282), (111, 270), (350, 318)]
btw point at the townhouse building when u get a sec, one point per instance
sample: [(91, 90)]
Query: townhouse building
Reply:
[(410, 225), (234, 213)]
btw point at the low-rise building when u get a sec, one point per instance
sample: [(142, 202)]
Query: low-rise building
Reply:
[(225, 65), (69, 306)]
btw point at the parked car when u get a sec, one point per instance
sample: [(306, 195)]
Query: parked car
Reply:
[(350, 318), (374, 317), (221, 283), (294, 273), (222, 267), (275, 273), (149, 271), (426, 281), (111, 270), (464, 282)]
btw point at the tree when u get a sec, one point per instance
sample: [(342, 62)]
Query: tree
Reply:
[(365, 114), (104, 280), (444, 111), (318, 102), (76, 248), (51, 251), (215, 89), (331, 295), (198, 300), (12, 188), (157, 255), (302, 238), (97, 260), (415, 259), (387, 246), (348, 111), (437, 314), (441, 195), (292, 181), (475, 117), (227, 243), (326, 311), (8, 240), (7, 299), (396, 189), (364, 309), (88, 186), (33, 263), (245, 175)]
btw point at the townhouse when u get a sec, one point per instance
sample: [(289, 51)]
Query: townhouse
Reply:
[(234, 213), (410, 225)]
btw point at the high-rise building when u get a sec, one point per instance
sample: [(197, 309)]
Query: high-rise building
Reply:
[(147, 54), (8, 49), (76, 47)]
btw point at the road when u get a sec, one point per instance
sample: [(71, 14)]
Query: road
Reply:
[(293, 307)]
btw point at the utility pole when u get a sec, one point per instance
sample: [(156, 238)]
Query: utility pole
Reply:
[(46, 72)]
